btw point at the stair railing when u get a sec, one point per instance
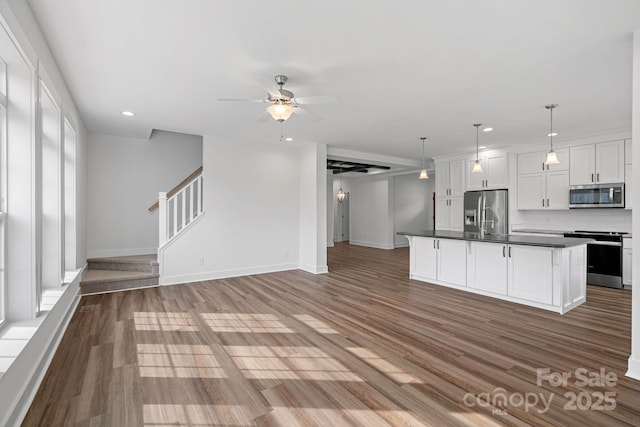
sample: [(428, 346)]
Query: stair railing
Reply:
[(181, 208)]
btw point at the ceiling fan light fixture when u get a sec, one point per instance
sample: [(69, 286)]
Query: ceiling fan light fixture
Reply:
[(280, 111), (341, 195)]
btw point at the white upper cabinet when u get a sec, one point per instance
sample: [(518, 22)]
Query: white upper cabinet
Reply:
[(495, 172), (456, 178), (542, 186), (628, 151), (450, 178), (601, 163), (442, 179), (449, 195), (535, 162)]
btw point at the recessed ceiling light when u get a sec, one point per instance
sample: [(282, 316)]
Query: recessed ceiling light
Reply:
[(552, 134), (288, 139), (482, 147), (487, 129), (128, 113)]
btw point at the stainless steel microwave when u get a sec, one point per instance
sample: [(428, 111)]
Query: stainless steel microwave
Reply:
[(596, 196)]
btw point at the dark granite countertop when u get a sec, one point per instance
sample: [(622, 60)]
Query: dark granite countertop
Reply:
[(510, 239)]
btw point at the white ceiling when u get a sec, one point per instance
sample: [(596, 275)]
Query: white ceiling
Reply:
[(401, 69)]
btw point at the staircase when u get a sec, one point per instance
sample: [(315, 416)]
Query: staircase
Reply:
[(120, 273)]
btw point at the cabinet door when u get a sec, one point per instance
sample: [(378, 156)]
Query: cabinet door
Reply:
[(474, 181), (497, 175), (452, 261), (628, 186), (491, 267), (531, 162), (456, 178), (442, 179), (425, 260), (442, 213), (456, 213), (531, 191), (610, 162), (582, 164), (531, 273), (558, 190), (628, 151)]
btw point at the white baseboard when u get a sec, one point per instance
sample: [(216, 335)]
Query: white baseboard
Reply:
[(223, 274), (329, 244), (320, 269), (23, 378), (107, 253), (404, 244), (371, 244), (633, 366)]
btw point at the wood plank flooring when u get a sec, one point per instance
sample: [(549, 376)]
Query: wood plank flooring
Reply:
[(362, 345)]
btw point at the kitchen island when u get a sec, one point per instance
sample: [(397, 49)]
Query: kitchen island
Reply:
[(544, 272)]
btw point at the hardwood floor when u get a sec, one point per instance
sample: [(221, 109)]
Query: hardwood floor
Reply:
[(362, 345)]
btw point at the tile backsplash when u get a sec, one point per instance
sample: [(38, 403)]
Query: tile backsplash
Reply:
[(605, 219)]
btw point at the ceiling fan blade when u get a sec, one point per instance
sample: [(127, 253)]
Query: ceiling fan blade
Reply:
[(306, 113), (243, 100), (265, 116), (320, 99)]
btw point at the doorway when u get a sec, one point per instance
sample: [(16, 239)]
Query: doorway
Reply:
[(342, 220)]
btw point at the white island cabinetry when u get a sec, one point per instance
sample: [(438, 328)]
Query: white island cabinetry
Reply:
[(551, 275), (439, 259)]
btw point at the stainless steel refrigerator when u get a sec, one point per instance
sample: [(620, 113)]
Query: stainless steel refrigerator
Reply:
[(486, 212)]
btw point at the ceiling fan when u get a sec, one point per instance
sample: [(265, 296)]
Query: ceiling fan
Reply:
[(284, 103)]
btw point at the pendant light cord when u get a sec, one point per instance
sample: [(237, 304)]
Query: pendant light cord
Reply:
[(551, 127)]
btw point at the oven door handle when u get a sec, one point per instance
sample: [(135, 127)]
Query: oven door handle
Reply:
[(605, 243)]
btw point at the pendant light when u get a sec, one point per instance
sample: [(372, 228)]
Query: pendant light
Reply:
[(423, 172), (552, 158), (341, 193), (477, 167)]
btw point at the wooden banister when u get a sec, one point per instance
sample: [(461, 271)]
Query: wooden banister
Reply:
[(177, 188)]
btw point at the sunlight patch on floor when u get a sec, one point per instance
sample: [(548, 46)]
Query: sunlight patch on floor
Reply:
[(317, 325), (245, 322), (178, 361), (293, 363), (152, 321), (382, 365)]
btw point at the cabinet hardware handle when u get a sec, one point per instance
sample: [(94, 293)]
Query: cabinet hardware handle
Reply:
[(434, 243), (547, 167), (509, 251), (547, 202), (503, 251), (598, 177), (438, 244), (543, 203), (542, 165), (591, 177)]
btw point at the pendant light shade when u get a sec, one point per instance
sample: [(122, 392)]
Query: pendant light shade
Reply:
[(552, 158), (280, 111), (423, 172), (477, 167)]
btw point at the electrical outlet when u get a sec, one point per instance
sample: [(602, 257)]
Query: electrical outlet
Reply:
[(200, 261)]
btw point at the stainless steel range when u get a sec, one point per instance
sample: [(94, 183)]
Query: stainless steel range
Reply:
[(604, 257)]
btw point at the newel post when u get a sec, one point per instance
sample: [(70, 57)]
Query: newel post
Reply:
[(162, 218)]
